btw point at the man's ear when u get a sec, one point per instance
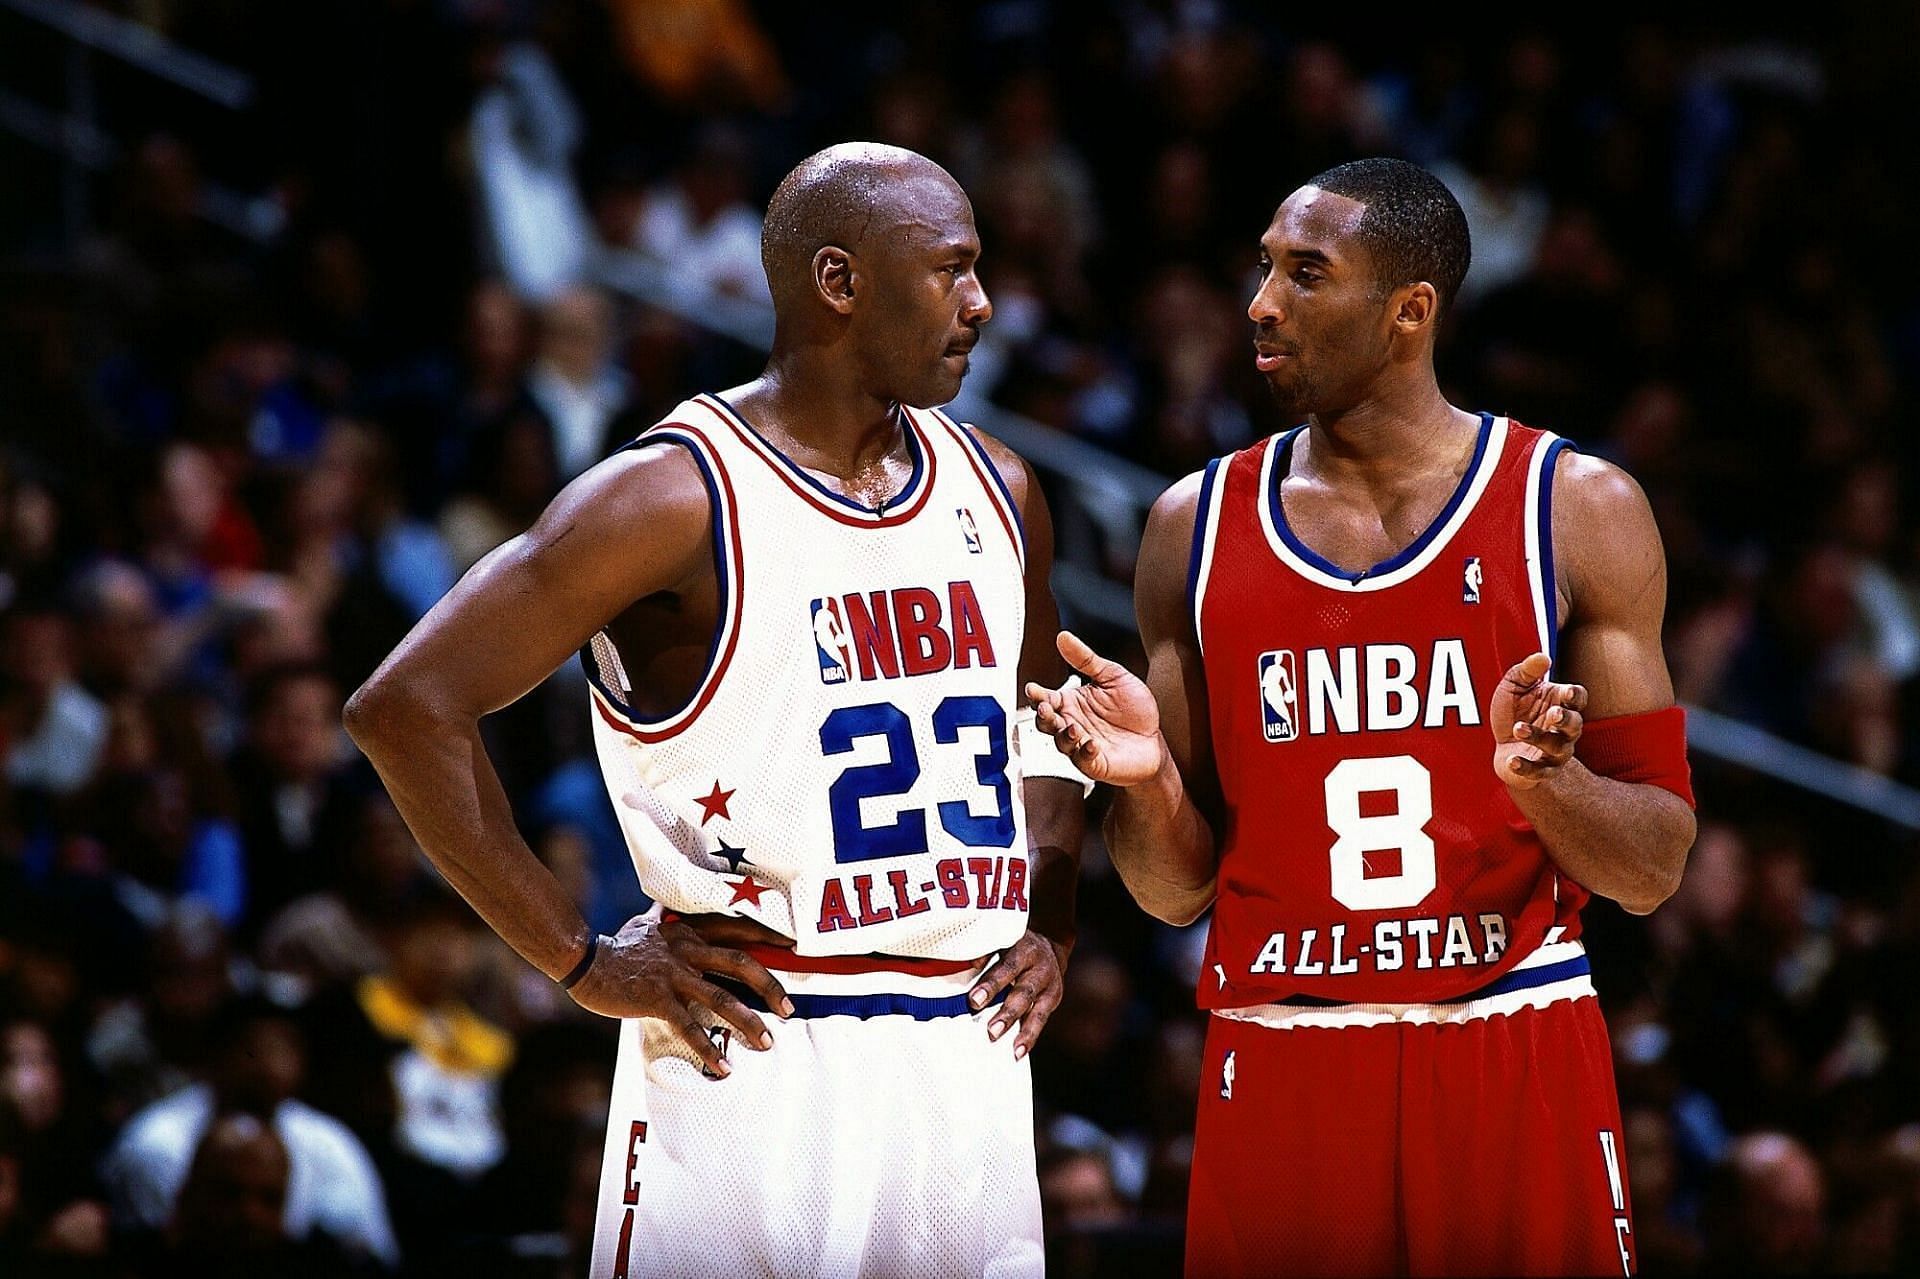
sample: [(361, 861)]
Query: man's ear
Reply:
[(833, 277), (1419, 308)]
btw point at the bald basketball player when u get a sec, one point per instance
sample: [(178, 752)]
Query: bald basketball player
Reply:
[(805, 606)]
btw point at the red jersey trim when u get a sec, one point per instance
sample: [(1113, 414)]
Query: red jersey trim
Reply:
[(729, 560)]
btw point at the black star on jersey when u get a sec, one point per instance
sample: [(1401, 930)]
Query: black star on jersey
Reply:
[(734, 857)]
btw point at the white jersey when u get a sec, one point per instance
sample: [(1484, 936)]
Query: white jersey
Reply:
[(845, 771)]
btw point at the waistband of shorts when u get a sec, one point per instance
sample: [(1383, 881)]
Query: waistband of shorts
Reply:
[(1556, 971), (871, 994)]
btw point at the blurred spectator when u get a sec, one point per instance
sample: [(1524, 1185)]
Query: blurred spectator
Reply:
[(523, 134), (1507, 209), (710, 54), (231, 1217), (52, 728), (699, 225), (296, 797), (1766, 1215), (258, 1067), (157, 1040), (574, 380)]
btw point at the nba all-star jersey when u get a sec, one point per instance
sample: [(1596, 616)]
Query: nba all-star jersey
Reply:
[(844, 773), (1371, 853)]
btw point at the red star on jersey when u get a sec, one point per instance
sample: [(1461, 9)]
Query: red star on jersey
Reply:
[(715, 804), (748, 890)]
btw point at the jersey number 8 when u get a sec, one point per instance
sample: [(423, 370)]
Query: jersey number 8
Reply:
[(1403, 829)]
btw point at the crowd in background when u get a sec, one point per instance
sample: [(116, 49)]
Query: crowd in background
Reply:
[(244, 1028)]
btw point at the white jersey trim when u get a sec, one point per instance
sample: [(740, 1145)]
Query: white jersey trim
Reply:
[(1538, 520), (1206, 535), (1495, 435), (1356, 1016)]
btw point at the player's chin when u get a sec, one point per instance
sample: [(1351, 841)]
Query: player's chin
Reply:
[(940, 385)]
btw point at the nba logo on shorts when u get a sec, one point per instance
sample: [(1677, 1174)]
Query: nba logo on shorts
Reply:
[(1279, 696), (1470, 581), (968, 529), (830, 643)]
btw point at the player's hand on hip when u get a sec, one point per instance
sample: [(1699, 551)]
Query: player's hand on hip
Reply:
[(1033, 973), (1536, 723), (1109, 726), (655, 969)]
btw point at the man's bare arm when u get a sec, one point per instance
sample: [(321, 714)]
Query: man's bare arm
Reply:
[(1056, 809), (632, 526), (1621, 840)]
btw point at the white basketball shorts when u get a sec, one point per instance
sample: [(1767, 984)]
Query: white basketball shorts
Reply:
[(882, 1136)]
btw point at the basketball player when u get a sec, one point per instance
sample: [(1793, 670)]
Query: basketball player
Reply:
[(1408, 709), (803, 609)]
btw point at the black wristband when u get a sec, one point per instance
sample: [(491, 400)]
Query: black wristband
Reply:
[(572, 979)]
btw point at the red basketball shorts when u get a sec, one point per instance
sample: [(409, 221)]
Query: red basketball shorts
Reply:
[(1480, 1138)]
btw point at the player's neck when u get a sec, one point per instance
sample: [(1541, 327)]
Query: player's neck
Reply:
[(1385, 440), (818, 417)]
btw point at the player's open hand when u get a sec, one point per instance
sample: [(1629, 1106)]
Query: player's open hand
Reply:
[(655, 969), (1109, 726), (1033, 973), (1536, 723)]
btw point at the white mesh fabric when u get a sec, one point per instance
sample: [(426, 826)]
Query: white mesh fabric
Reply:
[(748, 776)]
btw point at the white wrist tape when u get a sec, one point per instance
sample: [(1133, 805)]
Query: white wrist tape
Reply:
[(1040, 755)]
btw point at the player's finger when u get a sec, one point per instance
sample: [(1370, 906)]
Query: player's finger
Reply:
[(688, 1027), (996, 978), (746, 970), (1020, 999), (1041, 696), (1050, 720), (728, 1008), (1083, 658), (1033, 1023)]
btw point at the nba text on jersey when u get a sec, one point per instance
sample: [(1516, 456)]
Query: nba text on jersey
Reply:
[(1392, 696)]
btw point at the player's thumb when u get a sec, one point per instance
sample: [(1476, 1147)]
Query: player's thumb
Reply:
[(1530, 670), (1080, 657)]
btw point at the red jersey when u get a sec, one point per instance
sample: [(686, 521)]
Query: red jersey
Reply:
[(1370, 854)]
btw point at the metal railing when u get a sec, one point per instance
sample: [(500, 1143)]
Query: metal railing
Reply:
[(75, 132), (1083, 588)]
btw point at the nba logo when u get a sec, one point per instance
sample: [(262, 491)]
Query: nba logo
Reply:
[(1279, 696), (1470, 581), (830, 643), (969, 530)]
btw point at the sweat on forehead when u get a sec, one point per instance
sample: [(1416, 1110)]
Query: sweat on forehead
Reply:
[(839, 195)]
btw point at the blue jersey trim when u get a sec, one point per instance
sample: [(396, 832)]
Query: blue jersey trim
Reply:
[(587, 663), (1549, 590), (1432, 530), (1521, 979), (1200, 522), (906, 494)]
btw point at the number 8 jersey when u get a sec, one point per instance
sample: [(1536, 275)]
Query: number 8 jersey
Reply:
[(1370, 854), (844, 771)]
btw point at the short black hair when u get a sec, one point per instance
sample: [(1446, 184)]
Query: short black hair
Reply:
[(1413, 226)]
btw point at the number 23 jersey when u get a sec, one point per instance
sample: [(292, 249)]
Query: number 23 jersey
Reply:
[(1370, 854), (844, 773)]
